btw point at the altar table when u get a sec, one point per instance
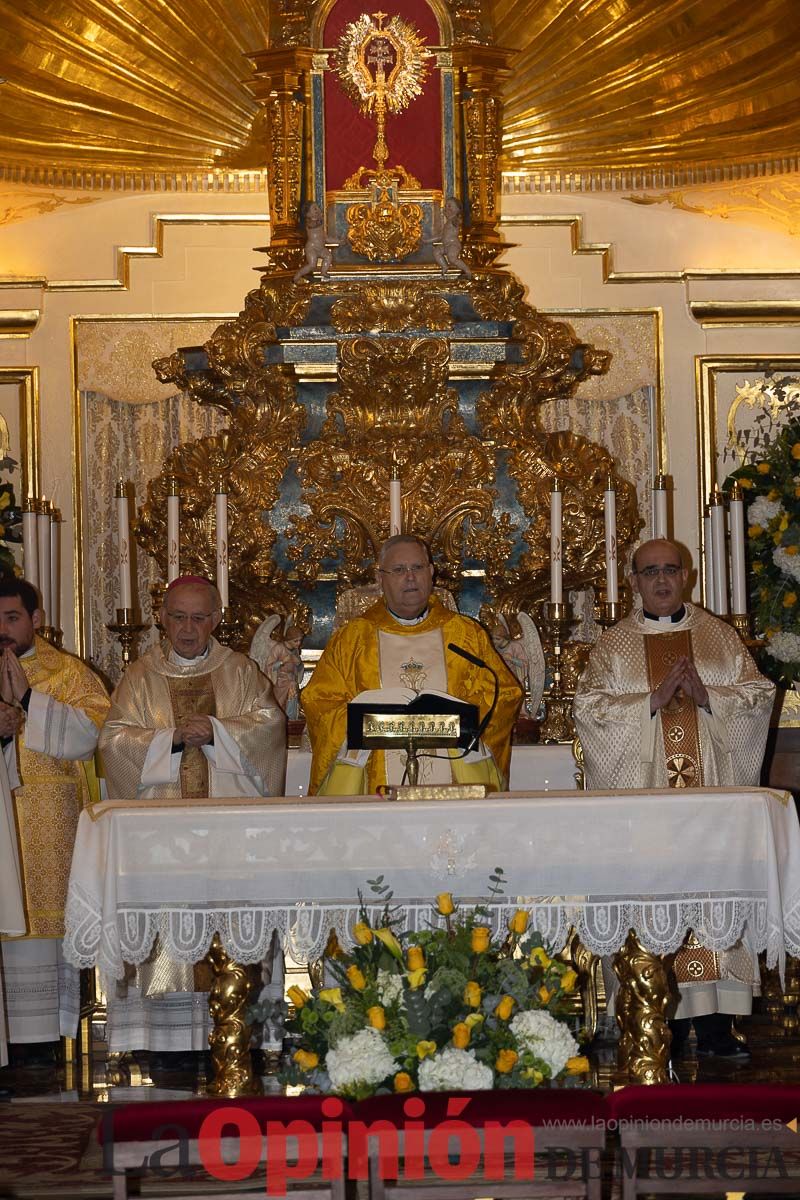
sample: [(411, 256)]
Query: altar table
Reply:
[(723, 863)]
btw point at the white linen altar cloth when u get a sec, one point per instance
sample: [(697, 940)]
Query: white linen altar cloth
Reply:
[(725, 864)]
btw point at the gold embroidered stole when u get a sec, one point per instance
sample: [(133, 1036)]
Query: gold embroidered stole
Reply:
[(681, 735), (679, 724), (192, 695)]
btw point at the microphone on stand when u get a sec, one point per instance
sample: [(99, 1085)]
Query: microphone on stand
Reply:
[(478, 662)]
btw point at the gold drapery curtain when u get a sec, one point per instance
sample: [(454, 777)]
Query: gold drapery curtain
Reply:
[(130, 442)]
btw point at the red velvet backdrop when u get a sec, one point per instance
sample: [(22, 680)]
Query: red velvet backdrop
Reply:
[(414, 136)]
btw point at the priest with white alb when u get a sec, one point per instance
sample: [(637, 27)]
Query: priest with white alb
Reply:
[(671, 698), (191, 718)]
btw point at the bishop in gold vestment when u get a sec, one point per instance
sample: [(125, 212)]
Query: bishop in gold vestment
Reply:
[(401, 642), (60, 705), (189, 719), (672, 698)]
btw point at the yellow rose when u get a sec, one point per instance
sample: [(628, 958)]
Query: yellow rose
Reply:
[(362, 933), (568, 981), (540, 958), (790, 599), (472, 995), (333, 996), (479, 939), (754, 531), (777, 538), (416, 958), (416, 978), (505, 1061), (356, 978), (424, 1049), (306, 1059), (546, 994), (376, 1017), (790, 549), (519, 922), (504, 1008), (474, 1018), (757, 568), (745, 483), (461, 1035), (403, 1082), (577, 1064), (533, 1075), (763, 468), (444, 903), (297, 996), (773, 494), (796, 450), (784, 524), (390, 942)]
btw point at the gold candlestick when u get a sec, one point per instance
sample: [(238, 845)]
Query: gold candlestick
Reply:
[(127, 627), (557, 725)]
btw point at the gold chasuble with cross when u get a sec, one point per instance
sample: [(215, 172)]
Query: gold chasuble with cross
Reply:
[(376, 651), (679, 746)]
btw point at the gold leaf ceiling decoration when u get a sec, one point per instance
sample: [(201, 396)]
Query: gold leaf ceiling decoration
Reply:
[(142, 87)]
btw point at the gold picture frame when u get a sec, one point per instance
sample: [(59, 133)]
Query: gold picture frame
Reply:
[(26, 382)]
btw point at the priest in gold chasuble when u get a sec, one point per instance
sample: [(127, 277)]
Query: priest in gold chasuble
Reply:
[(52, 706), (671, 698), (190, 719), (400, 645)]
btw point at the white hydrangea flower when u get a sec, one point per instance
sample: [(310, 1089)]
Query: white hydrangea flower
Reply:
[(536, 1030), (362, 1058), (390, 987), (452, 1070), (762, 511), (788, 563), (785, 647)]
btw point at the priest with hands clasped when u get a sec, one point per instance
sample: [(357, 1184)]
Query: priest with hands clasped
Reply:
[(191, 718), (401, 647), (671, 698)]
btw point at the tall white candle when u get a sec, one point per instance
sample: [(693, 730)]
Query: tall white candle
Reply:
[(43, 538), (395, 507), (738, 575), (55, 569), (708, 563), (659, 505), (30, 542), (556, 578), (173, 531), (719, 556), (222, 543), (124, 547), (610, 512)]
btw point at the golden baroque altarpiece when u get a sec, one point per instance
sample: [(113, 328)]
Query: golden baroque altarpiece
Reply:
[(430, 364)]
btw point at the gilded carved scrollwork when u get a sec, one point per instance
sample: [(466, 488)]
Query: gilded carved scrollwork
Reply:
[(393, 402), (251, 456), (390, 308)]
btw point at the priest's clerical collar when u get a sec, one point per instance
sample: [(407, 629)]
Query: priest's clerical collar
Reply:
[(672, 619), (409, 620), (178, 661)]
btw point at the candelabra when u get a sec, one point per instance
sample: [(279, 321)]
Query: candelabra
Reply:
[(557, 725), (127, 627)]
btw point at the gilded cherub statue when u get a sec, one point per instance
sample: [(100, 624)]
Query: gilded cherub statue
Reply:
[(448, 252), (316, 250)]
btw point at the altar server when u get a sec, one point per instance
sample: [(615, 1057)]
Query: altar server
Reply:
[(404, 642), (51, 710), (191, 718), (671, 698)]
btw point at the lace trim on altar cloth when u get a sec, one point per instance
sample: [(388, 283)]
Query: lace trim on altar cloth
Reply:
[(246, 930)]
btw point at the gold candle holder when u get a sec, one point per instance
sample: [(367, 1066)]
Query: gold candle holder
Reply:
[(229, 627), (127, 628), (557, 725), (607, 613)]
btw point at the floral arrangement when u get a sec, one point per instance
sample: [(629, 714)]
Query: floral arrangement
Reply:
[(449, 1007), (10, 519), (770, 482)]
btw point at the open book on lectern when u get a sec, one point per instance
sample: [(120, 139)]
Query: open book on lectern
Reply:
[(387, 718)]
